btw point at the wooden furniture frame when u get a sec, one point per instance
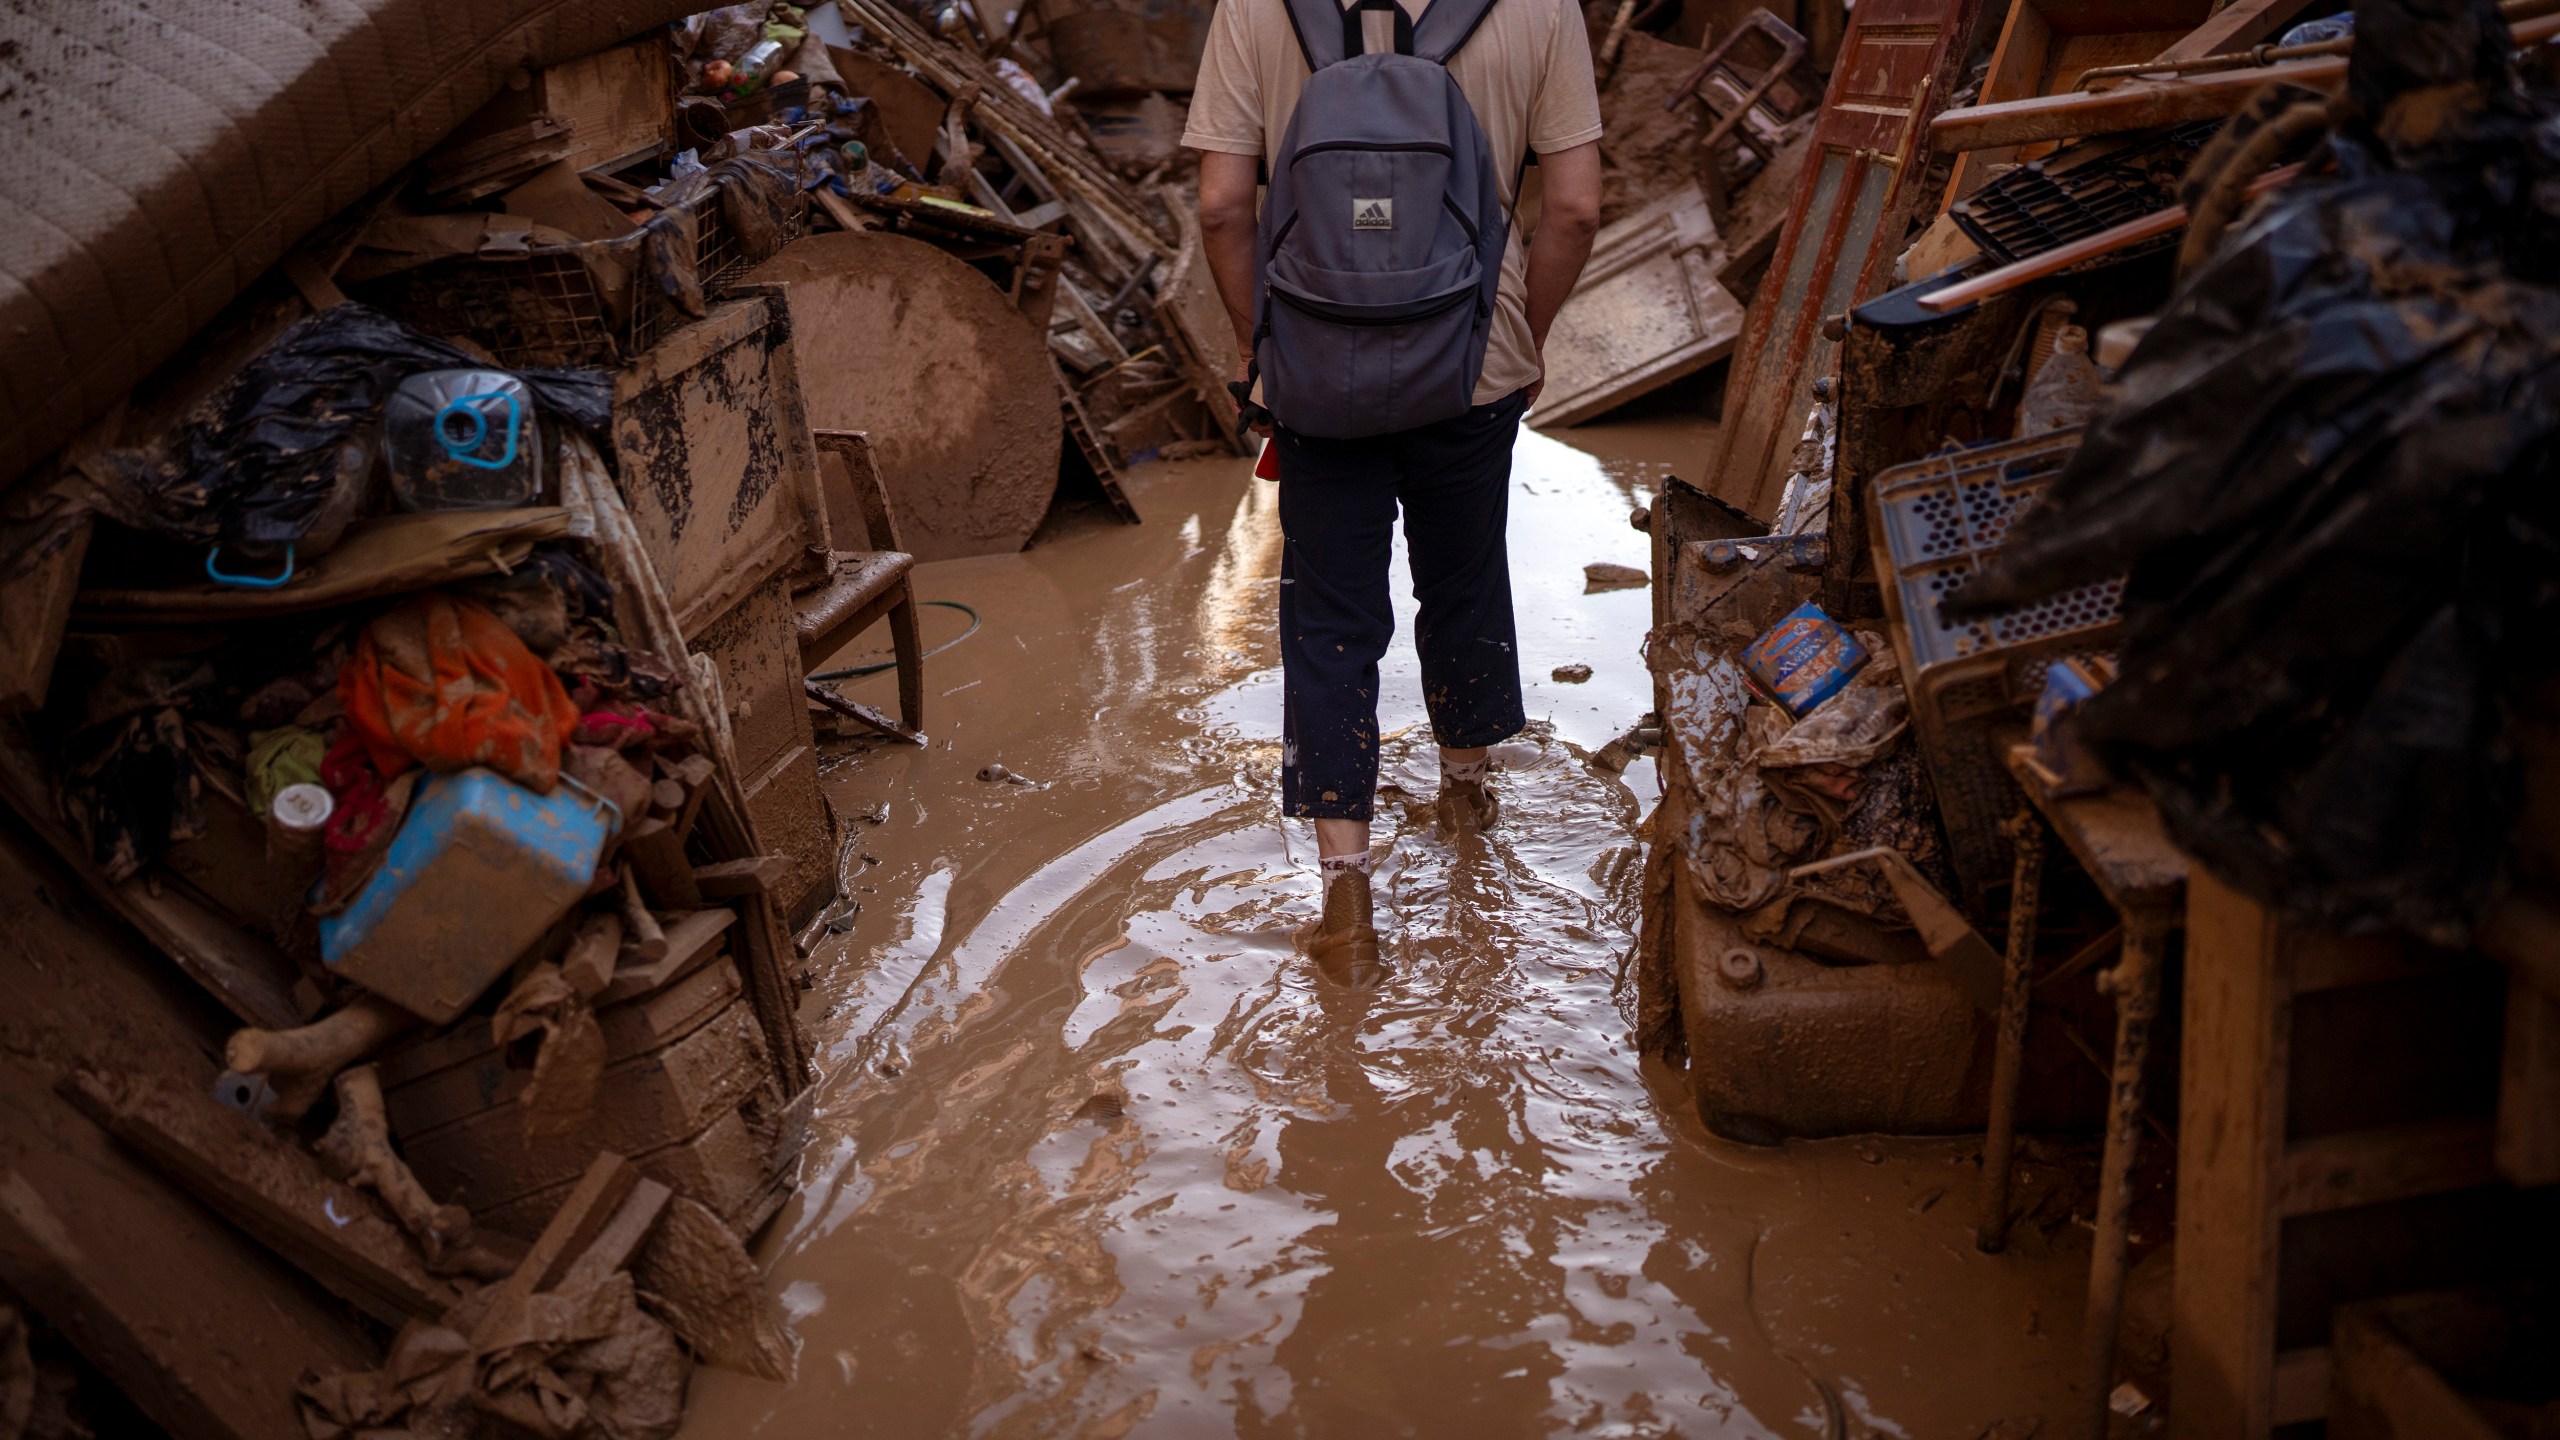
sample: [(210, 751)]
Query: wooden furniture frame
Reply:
[(2116, 836), (863, 587), (2241, 1176), (2045, 44)]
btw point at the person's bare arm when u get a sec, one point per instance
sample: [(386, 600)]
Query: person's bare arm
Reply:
[(1227, 187), (1568, 219)]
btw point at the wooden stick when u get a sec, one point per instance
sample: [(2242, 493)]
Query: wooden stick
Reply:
[(648, 943), (2063, 257), (860, 713)]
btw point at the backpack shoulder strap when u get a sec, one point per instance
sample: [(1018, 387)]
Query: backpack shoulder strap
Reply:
[(1318, 26), (1447, 26)]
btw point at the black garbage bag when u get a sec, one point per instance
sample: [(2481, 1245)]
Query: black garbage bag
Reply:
[(260, 459), (2330, 473)]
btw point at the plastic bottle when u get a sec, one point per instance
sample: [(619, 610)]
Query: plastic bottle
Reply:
[(2066, 390), (755, 69), (462, 440)]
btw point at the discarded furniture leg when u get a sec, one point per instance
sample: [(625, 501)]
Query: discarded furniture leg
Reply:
[(2116, 837), (1999, 1144), (869, 585), (2135, 983)]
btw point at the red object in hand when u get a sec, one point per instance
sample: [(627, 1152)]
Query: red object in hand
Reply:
[(1268, 466)]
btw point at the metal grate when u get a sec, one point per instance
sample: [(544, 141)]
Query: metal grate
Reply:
[(2080, 192)]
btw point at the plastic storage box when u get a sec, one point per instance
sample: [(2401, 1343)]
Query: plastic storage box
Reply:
[(1973, 684), (481, 868)]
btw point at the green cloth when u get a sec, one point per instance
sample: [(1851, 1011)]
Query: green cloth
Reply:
[(286, 755)]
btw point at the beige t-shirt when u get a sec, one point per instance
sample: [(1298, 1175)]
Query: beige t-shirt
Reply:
[(1527, 72)]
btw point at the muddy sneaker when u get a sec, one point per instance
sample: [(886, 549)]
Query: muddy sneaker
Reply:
[(1467, 804), (1344, 944)]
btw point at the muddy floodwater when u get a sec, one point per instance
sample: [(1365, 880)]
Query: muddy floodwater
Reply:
[(1095, 1154)]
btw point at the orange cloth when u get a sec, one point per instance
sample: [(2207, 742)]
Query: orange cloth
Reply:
[(442, 683)]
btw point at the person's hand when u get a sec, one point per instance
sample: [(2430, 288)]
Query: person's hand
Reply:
[(1244, 377), (1540, 384)]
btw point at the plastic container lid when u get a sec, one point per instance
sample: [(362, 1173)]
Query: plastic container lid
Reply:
[(302, 808)]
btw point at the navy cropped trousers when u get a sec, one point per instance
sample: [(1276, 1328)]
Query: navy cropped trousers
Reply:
[(1338, 504)]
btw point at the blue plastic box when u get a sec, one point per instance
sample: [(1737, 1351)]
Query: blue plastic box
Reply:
[(481, 868)]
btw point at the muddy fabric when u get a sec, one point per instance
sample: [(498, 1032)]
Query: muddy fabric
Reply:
[(1338, 504), (368, 811), (583, 1364), (1763, 795), (2329, 473), (568, 1066), (135, 781), (442, 683), (278, 758)]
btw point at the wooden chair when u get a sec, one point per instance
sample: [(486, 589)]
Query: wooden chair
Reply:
[(861, 587)]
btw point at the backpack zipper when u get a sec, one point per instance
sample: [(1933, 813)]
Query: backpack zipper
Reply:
[(1427, 147), (1308, 309)]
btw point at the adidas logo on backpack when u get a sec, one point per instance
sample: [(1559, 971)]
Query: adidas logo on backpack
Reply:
[(1374, 327)]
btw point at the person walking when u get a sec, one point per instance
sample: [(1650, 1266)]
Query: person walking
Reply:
[(1392, 313)]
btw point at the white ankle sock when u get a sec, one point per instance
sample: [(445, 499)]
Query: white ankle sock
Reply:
[(1333, 865), (1469, 771)]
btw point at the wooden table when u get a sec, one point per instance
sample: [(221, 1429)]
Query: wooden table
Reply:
[(2116, 836)]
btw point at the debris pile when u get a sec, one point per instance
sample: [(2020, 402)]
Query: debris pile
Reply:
[(2158, 468), (364, 701)]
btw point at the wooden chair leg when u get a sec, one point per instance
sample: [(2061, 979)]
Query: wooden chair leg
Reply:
[(903, 636)]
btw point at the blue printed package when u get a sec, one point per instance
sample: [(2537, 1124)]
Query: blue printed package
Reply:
[(2061, 758), (1805, 659)]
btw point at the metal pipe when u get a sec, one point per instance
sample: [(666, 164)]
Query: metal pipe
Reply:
[(2135, 983), (1999, 1145)]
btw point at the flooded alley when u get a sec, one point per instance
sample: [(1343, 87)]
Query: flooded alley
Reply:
[(688, 748), (1097, 1154)]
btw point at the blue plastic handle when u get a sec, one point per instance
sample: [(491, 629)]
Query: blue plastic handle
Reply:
[(467, 407), (248, 582)]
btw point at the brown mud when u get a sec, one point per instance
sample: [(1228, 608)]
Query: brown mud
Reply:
[(1096, 1154)]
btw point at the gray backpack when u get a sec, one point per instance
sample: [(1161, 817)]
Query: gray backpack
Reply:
[(1382, 238)]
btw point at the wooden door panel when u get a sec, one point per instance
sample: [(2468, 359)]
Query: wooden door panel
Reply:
[(1895, 68)]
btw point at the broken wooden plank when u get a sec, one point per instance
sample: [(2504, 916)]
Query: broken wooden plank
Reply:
[(591, 1206), (1648, 311), (729, 879), (710, 1292), (620, 1239), (2236, 26), (272, 1189), (691, 939), (862, 714), (2367, 1167), (204, 1330), (656, 853)]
